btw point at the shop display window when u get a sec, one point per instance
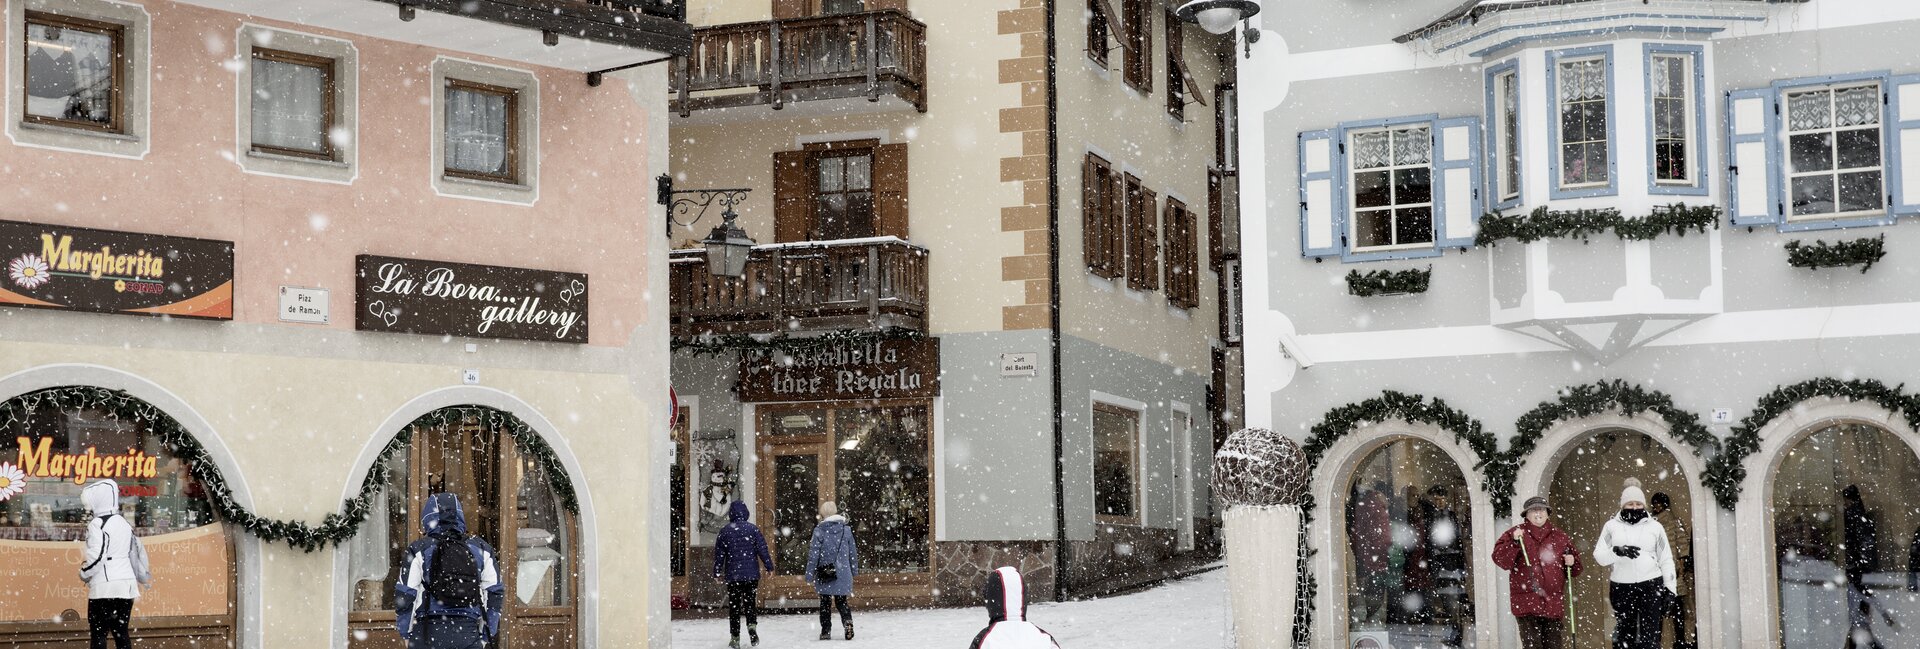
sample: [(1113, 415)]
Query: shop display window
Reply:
[(1846, 539), (1409, 548), (871, 460)]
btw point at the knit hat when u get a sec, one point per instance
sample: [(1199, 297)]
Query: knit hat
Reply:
[(1537, 502), (828, 509), (1632, 494)]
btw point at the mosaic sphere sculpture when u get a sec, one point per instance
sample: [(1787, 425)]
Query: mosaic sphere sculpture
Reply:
[(1259, 467)]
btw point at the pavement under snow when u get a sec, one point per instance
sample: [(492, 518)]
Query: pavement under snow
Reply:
[(1189, 613)]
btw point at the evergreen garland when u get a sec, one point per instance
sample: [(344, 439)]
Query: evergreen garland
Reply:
[(1542, 223), (335, 528), (711, 344), (1729, 469), (1389, 282), (1594, 399), (1863, 252)]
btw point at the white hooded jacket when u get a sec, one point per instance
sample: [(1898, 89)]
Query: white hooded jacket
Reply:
[(1007, 625), (115, 562)]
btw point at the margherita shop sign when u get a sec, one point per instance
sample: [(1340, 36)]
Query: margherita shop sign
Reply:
[(450, 299), (39, 461), (104, 271)]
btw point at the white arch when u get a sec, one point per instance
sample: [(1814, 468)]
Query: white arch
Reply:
[(247, 601), (1536, 473), (1758, 592), (1328, 532), (474, 395)]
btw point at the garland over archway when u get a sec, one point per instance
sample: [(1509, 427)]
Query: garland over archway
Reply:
[(1594, 399), (335, 528), (1730, 467)]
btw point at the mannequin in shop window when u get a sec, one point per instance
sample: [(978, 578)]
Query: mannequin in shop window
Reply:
[(1861, 530)]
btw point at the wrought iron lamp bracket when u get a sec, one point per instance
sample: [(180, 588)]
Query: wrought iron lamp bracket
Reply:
[(686, 207)]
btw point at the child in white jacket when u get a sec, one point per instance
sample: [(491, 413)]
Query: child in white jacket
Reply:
[(1635, 546), (115, 566)]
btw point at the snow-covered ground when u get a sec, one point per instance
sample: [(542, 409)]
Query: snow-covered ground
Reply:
[(1190, 614)]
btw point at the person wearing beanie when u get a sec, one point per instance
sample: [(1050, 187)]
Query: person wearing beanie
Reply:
[(832, 562), (1641, 587), (1539, 559)]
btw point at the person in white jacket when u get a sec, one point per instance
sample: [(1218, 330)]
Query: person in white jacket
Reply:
[(1007, 625), (114, 568), (1642, 584)]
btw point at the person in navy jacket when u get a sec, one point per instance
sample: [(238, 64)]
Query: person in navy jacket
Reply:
[(738, 554), (435, 608)]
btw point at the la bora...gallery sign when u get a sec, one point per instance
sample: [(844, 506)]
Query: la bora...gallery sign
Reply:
[(453, 299), (877, 369)]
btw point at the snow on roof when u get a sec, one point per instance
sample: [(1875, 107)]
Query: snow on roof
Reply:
[(1474, 9)]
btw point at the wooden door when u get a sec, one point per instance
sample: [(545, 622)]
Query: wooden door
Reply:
[(795, 478)]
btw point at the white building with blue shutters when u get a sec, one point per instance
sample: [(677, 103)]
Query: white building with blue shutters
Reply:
[(1541, 247)]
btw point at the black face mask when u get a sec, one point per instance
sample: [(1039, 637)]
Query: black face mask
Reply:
[(1632, 516)]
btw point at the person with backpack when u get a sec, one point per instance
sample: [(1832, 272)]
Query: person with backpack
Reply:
[(1007, 627), (832, 561), (114, 567), (449, 593), (738, 553)]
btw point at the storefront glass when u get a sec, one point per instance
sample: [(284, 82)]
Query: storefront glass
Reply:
[(1409, 549), (1846, 539), (871, 460), (1585, 493), (43, 523)]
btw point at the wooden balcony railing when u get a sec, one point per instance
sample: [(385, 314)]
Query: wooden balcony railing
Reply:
[(873, 283), (870, 54)]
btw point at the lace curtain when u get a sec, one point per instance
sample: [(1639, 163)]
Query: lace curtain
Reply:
[(476, 124), (289, 106)]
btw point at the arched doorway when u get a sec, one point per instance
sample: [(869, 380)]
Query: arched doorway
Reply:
[(514, 498), (1845, 524), (191, 551), (1405, 534), (1585, 492)]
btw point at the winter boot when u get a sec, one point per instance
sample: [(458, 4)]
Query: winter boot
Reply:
[(826, 633), (849, 626), (753, 634), (735, 644)]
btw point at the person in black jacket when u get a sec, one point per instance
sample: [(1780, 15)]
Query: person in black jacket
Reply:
[(1005, 596)]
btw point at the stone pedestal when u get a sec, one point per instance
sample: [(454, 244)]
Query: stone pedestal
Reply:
[(1263, 554)]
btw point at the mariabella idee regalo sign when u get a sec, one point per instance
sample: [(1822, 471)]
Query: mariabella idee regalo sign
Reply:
[(105, 271), (876, 369), (445, 298)]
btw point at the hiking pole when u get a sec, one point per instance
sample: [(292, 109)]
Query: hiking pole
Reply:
[(1573, 625)]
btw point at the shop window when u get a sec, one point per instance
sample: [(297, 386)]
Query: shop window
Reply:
[(1846, 538), (1116, 471), (481, 132), (1585, 493), (74, 72), (1834, 166), (293, 104), (678, 497), (1409, 548), (871, 459), (43, 523), (1392, 187)]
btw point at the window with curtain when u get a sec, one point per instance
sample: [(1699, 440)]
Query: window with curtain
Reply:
[(480, 142), (292, 104), (1834, 166), (843, 195), (1583, 122), (1506, 125), (1097, 31), (73, 72), (1670, 76), (1392, 187)]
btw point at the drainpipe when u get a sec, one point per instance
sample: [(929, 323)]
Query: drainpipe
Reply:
[(1053, 311)]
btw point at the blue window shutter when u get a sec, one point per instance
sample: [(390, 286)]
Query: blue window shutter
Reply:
[(1903, 170), (1753, 160), (1323, 231), (1456, 182)]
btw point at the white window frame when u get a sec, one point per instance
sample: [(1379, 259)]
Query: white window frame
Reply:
[(1353, 211), (1097, 400), (1690, 138), (1506, 139), (1786, 150), (1561, 143)]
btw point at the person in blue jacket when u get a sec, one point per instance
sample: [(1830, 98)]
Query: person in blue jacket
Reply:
[(738, 553), (449, 593), (832, 562)]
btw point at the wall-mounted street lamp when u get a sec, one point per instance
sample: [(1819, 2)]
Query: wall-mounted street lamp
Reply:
[(728, 246), (1218, 17)]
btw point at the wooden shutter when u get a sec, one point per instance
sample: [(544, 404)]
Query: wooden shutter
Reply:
[(1176, 72), (785, 9), (1216, 221), (1115, 249), (1139, 36), (876, 5), (1143, 237), (1096, 216), (1322, 225), (890, 190), (792, 196), (1183, 278), (1130, 214), (1904, 94), (1456, 179), (1753, 162)]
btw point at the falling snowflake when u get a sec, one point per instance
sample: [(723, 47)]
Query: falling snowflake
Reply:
[(29, 271)]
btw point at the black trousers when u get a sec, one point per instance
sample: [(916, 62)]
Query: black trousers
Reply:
[(1637, 611), (1541, 632), (834, 601), (742, 596), (109, 617)]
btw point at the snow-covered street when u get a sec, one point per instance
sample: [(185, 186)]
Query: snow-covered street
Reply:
[(1190, 613)]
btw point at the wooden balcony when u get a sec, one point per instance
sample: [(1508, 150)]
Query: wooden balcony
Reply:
[(657, 25), (875, 55), (877, 283)]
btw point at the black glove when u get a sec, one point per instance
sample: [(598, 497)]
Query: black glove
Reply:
[(1628, 551)]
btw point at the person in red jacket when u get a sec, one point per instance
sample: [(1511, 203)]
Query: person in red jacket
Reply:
[(1538, 575)]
